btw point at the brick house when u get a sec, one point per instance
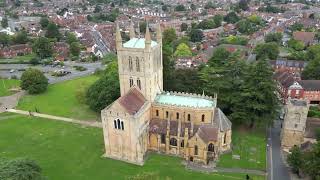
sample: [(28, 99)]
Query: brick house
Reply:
[(307, 37), (15, 50), (291, 86), (61, 49), (292, 66)]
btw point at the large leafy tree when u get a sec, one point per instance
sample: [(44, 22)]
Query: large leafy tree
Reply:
[(21, 37), (53, 31), (75, 49), (313, 51), (183, 50), (20, 169), (296, 44), (312, 70), (231, 17), (42, 47), (4, 22), (295, 159), (273, 37), (311, 163), (4, 39), (267, 50), (196, 35), (169, 35), (256, 102), (104, 91), (44, 21), (34, 81)]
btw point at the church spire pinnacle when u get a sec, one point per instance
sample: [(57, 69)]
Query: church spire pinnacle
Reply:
[(147, 38), (118, 37), (131, 32), (159, 34)]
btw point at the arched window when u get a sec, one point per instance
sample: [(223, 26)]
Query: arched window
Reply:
[(115, 124), (167, 114), (118, 122), (139, 83), (157, 112), (173, 142), (163, 139), (122, 125), (202, 118), (131, 82), (189, 117), (211, 147), (225, 138), (182, 143), (177, 115), (137, 64), (195, 150), (130, 63)]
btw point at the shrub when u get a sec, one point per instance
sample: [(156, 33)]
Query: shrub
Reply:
[(80, 68), (34, 81)]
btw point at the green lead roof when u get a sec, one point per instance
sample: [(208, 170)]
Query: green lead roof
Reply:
[(184, 100), (137, 43)]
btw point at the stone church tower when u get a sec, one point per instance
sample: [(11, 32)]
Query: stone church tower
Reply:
[(140, 63), (294, 125)]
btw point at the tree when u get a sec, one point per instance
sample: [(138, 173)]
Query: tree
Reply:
[(168, 64), (34, 81), (196, 35), (273, 37), (184, 27), (4, 22), (143, 27), (311, 163), (71, 37), (108, 58), (44, 22), (165, 8), (209, 5), (217, 20), (312, 70), (53, 31), (4, 39), (183, 50), (317, 132), (244, 5), (180, 7), (313, 51), (42, 47), (97, 9), (267, 50), (257, 102), (296, 27), (193, 7), (295, 159), (231, 17), (169, 35), (296, 44), (21, 37), (206, 24), (105, 90), (20, 169), (75, 49)]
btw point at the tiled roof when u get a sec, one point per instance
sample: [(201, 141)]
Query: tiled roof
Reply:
[(208, 133), (310, 85), (284, 78), (306, 37), (132, 101), (221, 120), (289, 63)]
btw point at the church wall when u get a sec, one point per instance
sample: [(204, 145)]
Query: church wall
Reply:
[(290, 138), (195, 113), (225, 141)]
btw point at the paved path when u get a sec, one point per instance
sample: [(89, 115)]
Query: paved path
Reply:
[(9, 102), (239, 170), (57, 118), (277, 170)]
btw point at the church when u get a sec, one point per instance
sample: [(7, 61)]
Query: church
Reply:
[(148, 119)]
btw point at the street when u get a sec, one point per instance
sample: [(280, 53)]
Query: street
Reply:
[(277, 170)]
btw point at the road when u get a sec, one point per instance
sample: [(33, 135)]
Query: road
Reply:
[(277, 170), (91, 67)]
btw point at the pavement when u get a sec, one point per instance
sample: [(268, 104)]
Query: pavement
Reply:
[(8, 102), (58, 118), (277, 170), (68, 66)]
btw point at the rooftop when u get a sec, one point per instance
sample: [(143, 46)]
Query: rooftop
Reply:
[(185, 100), (137, 43)]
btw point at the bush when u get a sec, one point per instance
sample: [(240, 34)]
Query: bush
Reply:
[(34, 61), (80, 68), (14, 77), (20, 169), (34, 81)]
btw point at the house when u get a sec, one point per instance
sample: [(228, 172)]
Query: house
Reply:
[(292, 66), (15, 50), (307, 37), (291, 86)]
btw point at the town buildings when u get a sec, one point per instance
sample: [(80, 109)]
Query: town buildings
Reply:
[(146, 118)]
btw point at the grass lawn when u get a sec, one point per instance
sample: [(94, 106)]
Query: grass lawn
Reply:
[(71, 152), (61, 100), (25, 58), (6, 85), (251, 146)]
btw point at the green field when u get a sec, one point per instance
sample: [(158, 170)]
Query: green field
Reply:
[(72, 152), (61, 100), (25, 58), (251, 146), (6, 85)]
